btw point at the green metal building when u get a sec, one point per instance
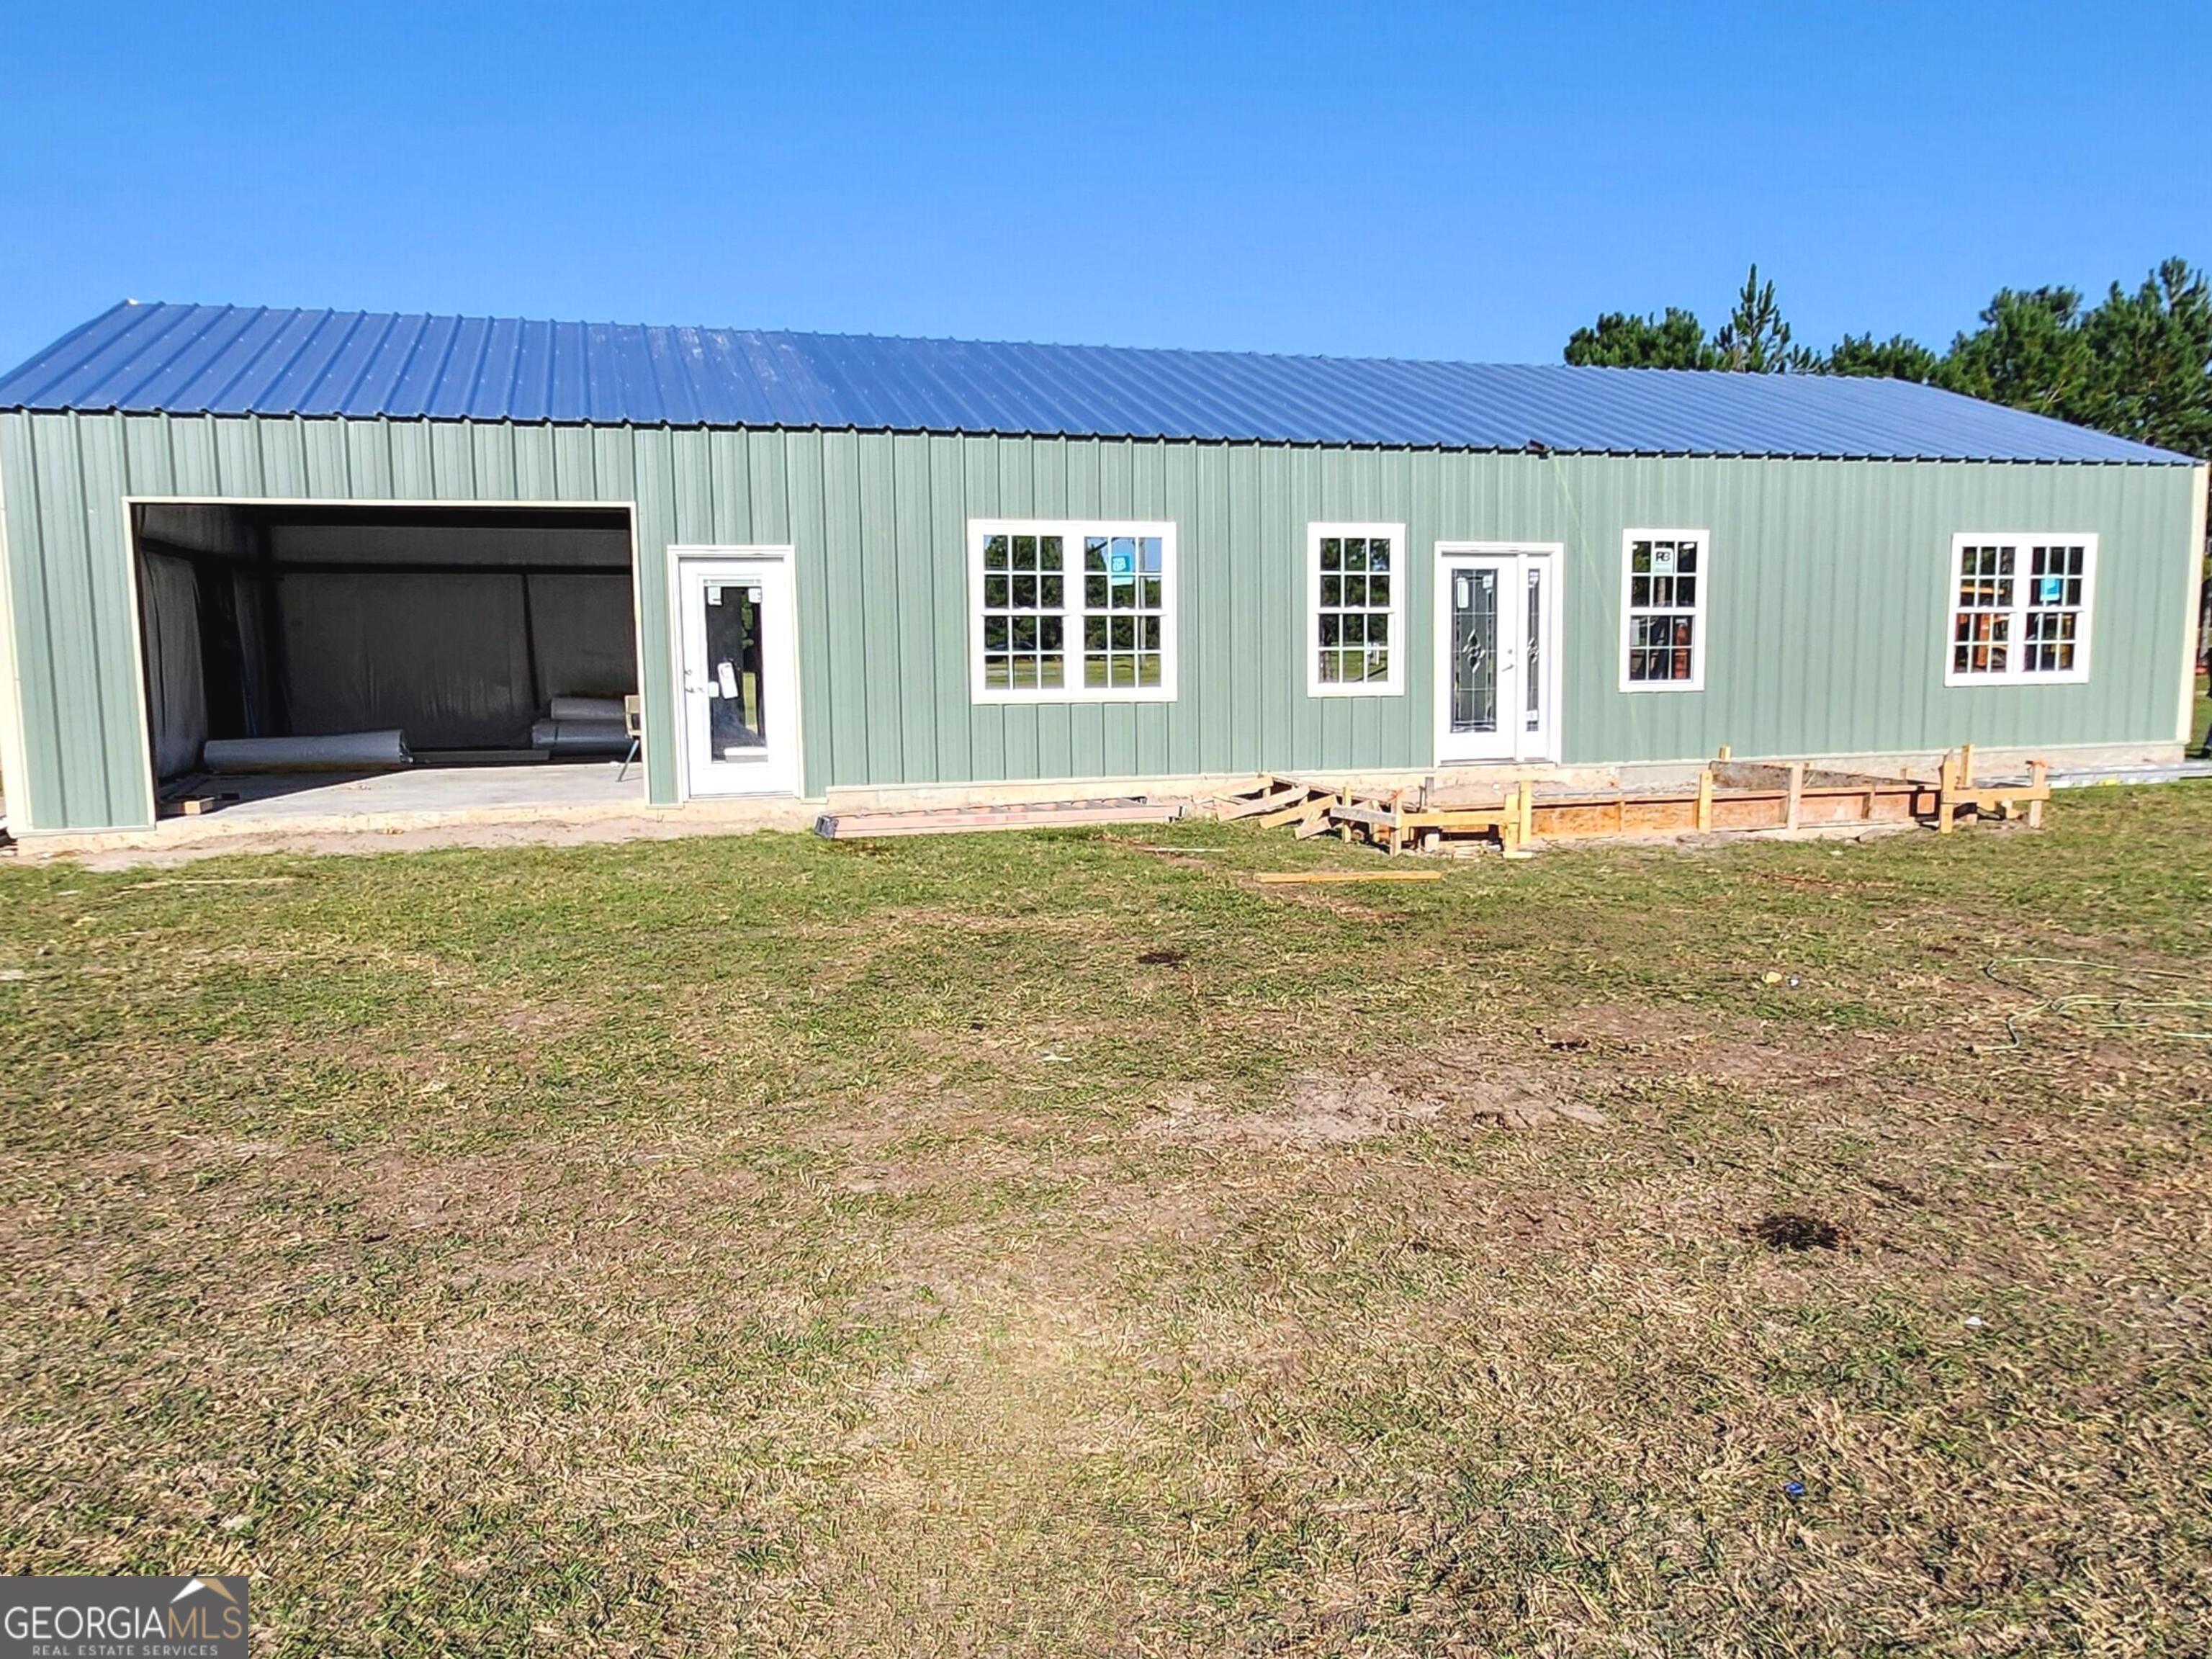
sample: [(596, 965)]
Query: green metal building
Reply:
[(832, 566)]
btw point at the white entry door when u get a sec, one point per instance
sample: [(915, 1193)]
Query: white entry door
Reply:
[(1498, 652), (737, 673)]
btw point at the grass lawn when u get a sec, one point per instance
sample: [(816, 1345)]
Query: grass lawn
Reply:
[(1054, 1244)]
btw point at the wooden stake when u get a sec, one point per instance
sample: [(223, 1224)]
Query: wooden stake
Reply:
[(2038, 778), (1966, 766), (1724, 752), (1797, 791), (1943, 787), (1704, 819)]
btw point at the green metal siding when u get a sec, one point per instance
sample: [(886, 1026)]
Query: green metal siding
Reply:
[(1826, 614)]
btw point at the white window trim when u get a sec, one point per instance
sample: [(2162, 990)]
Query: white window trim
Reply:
[(1072, 532), (2015, 651), (1698, 637), (1393, 684)]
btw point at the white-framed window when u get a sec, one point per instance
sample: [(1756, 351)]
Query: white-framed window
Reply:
[(1355, 609), (1071, 610), (1665, 575), (2019, 609)]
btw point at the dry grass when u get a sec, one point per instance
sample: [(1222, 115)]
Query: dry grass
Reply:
[(770, 1246)]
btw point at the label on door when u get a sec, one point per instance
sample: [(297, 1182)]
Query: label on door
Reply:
[(727, 677)]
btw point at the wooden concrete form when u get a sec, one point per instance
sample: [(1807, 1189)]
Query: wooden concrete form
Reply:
[(1957, 792), (1727, 797), (1393, 819)]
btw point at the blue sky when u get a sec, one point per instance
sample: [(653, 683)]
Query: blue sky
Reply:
[(1461, 181)]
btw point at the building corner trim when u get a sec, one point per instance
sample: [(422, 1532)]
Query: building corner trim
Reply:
[(2192, 598), (14, 779)]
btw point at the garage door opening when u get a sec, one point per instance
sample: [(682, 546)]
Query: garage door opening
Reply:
[(484, 654)]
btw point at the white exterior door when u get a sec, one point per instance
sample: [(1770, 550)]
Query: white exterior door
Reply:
[(737, 671), (1498, 652)]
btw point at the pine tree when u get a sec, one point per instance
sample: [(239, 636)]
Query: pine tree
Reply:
[(1755, 340)]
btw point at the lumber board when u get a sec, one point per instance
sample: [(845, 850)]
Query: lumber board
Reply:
[(1303, 812), (953, 820), (1375, 816), (1228, 809), (1450, 818), (1341, 791), (1329, 878)]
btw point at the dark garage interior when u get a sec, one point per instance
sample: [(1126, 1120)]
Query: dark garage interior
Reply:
[(478, 635)]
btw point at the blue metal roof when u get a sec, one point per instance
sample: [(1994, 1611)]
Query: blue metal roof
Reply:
[(232, 360)]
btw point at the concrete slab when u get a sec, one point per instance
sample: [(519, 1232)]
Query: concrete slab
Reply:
[(287, 798), (420, 808)]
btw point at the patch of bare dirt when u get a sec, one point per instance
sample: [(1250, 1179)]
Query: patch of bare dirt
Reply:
[(1640, 1027), (1324, 1108), (1681, 1041)]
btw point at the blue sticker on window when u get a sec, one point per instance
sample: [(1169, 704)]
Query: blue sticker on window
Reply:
[(1121, 562), (2049, 590)]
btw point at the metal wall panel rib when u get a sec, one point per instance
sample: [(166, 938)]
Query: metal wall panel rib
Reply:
[(1826, 622), (226, 360)]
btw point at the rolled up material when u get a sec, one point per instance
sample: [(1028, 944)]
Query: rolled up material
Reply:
[(563, 709), (341, 752), (579, 737)]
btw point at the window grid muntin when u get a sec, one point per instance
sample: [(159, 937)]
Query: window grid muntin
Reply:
[(1024, 603), (1124, 613), (1012, 626), (2020, 608), (1355, 609), (1665, 577), (1356, 578), (2058, 583)]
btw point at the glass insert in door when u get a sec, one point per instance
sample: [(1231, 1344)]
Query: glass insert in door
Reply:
[(1532, 654), (737, 688), (1474, 650)]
